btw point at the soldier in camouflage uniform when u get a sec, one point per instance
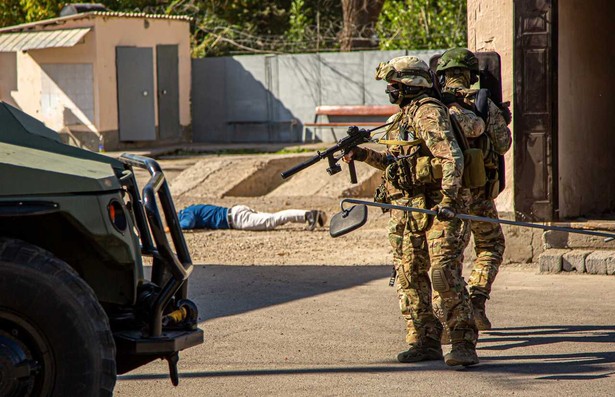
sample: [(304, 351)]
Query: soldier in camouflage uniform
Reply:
[(431, 246), (388, 193), (458, 70)]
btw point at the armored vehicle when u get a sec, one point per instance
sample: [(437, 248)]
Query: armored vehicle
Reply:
[(77, 304)]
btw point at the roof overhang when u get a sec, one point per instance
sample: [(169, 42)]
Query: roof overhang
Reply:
[(24, 41)]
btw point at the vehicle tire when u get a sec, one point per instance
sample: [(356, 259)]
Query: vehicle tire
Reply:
[(55, 338)]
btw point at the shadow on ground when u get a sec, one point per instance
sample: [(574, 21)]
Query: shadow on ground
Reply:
[(230, 290), (581, 365), (553, 352), (565, 366)]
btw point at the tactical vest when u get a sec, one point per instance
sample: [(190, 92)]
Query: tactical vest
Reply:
[(415, 169), (491, 174), (386, 192)]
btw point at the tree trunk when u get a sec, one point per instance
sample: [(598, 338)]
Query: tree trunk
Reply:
[(360, 17)]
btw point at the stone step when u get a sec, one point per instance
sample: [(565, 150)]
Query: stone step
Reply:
[(566, 240), (556, 260)]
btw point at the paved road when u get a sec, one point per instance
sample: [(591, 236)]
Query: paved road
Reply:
[(335, 331)]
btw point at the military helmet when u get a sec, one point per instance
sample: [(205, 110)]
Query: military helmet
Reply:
[(407, 70), (457, 58)]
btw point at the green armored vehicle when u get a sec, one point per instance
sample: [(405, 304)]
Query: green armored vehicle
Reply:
[(76, 307)]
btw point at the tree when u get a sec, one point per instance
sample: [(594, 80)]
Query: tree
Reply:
[(422, 24), (15, 12), (226, 27), (360, 18)]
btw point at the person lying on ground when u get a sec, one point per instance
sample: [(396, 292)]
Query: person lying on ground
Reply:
[(242, 217)]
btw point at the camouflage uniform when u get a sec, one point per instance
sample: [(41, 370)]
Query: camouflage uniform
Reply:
[(488, 237), (397, 227), (428, 243)]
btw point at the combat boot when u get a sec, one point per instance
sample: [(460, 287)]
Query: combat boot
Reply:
[(427, 350), (463, 351), (480, 316)]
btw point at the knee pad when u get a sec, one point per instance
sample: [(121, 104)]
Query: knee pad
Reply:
[(439, 282)]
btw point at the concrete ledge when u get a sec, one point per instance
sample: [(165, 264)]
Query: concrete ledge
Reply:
[(600, 262), (550, 261), (559, 239), (574, 261)]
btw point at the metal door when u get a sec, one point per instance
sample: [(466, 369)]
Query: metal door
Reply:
[(135, 93), (535, 109), (168, 91)]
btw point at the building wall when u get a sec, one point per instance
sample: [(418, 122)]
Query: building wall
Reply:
[(33, 83), (114, 32), (491, 28), (8, 76), (26, 83)]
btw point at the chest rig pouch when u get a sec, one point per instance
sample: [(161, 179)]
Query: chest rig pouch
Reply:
[(494, 163), (381, 195), (399, 172), (411, 172)]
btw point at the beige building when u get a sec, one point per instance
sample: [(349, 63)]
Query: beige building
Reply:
[(118, 80), (557, 63)]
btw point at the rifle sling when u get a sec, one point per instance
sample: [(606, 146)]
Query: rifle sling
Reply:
[(416, 142)]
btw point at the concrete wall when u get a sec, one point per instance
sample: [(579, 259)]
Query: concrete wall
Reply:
[(258, 98), (585, 83), (92, 110), (491, 28)]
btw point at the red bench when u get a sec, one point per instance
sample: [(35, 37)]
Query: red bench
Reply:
[(345, 116)]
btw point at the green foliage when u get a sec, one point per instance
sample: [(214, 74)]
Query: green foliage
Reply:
[(422, 24), (14, 12), (223, 26), (299, 22), (11, 13), (226, 27)]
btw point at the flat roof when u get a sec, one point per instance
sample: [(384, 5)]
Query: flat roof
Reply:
[(93, 14)]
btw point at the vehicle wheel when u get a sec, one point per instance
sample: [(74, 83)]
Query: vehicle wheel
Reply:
[(55, 338)]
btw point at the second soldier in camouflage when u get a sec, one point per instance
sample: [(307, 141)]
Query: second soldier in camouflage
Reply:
[(458, 70)]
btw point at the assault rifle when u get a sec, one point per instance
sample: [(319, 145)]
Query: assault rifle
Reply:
[(356, 136)]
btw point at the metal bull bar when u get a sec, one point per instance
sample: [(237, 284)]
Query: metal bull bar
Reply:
[(180, 265), (607, 235)]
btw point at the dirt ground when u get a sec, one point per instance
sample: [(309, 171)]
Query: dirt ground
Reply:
[(289, 244)]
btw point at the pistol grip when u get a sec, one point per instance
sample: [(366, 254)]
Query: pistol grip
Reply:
[(353, 172)]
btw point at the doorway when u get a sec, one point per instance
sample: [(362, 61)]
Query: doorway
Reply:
[(586, 130), (564, 136)]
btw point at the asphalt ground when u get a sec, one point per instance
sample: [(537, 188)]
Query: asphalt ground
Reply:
[(300, 330)]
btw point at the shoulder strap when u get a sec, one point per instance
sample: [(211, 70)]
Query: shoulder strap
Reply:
[(481, 105), (397, 142)]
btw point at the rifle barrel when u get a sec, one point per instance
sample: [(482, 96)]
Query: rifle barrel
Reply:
[(292, 171), (355, 137)]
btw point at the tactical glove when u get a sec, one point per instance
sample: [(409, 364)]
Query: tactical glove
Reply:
[(444, 209), (358, 154)]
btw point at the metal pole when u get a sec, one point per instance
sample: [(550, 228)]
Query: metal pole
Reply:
[(608, 235)]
